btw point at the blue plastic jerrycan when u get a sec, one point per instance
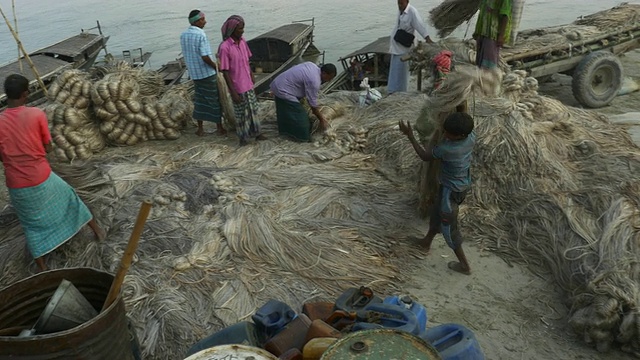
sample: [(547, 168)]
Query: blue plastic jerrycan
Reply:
[(454, 342), (376, 316), (272, 317), (408, 303)]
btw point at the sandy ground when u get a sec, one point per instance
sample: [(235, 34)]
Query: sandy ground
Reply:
[(514, 314)]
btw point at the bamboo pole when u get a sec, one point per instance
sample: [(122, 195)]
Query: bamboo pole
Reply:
[(33, 67), (15, 22)]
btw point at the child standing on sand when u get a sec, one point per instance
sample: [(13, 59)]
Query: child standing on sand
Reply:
[(455, 181)]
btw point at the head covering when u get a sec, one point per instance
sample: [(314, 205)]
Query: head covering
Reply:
[(442, 63), (230, 26), (196, 17)]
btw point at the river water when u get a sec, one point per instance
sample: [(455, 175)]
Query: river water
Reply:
[(155, 25)]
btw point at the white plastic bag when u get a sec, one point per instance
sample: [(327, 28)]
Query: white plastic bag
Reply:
[(368, 96)]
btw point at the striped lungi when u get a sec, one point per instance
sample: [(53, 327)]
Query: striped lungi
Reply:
[(206, 100), (50, 214), (398, 75), (246, 112), (293, 120)]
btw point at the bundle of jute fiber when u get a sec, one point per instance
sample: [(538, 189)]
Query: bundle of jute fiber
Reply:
[(226, 101), (127, 117), (450, 14), (72, 88), (547, 191), (75, 134)]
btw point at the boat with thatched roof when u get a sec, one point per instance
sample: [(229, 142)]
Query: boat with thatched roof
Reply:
[(375, 61), (277, 50)]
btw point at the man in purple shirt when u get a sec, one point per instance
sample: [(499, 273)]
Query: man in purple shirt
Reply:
[(300, 81)]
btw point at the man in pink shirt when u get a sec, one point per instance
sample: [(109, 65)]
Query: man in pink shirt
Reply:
[(49, 210), (234, 57)]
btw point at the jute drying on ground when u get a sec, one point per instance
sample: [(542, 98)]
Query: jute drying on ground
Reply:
[(231, 228)]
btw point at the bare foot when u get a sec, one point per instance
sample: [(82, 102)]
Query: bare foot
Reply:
[(456, 266), (261, 137), (244, 142), (200, 132), (222, 132)]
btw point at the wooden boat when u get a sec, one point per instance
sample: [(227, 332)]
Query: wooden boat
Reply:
[(173, 71), (277, 50), (375, 60), (76, 52), (135, 57)]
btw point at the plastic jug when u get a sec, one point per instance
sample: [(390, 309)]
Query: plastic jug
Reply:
[(318, 310), (454, 342), (415, 307), (243, 333), (355, 299), (272, 317), (389, 316), (291, 337)]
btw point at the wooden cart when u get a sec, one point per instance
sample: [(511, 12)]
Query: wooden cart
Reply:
[(587, 50)]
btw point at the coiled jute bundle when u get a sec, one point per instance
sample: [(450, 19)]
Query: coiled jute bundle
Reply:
[(130, 112), (75, 134)]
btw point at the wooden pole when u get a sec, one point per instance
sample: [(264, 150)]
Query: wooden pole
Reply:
[(125, 262), (33, 67), (15, 22)]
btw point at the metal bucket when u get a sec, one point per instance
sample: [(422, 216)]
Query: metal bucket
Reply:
[(67, 309), (380, 344), (239, 352), (105, 336)]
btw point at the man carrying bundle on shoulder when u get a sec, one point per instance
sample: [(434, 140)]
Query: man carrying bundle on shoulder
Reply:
[(455, 153), (49, 210), (493, 30)]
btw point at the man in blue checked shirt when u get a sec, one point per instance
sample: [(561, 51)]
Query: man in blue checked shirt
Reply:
[(198, 57)]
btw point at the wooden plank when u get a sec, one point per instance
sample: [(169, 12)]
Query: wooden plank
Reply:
[(556, 67), (72, 46), (46, 66)]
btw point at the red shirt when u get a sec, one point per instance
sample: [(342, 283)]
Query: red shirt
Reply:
[(23, 133)]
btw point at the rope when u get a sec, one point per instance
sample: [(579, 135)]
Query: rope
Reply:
[(15, 21)]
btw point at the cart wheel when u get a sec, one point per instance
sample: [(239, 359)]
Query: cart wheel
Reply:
[(597, 79)]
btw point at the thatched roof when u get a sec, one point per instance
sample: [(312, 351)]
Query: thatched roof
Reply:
[(380, 46), (287, 33)]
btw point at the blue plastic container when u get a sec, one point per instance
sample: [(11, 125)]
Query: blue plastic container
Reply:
[(272, 317), (408, 303), (390, 317), (243, 333), (454, 342)]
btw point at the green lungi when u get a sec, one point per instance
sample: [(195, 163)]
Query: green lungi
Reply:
[(293, 120), (206, 100), (50, 214)]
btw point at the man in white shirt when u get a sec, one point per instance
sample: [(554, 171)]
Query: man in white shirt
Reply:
[(408, 22)]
